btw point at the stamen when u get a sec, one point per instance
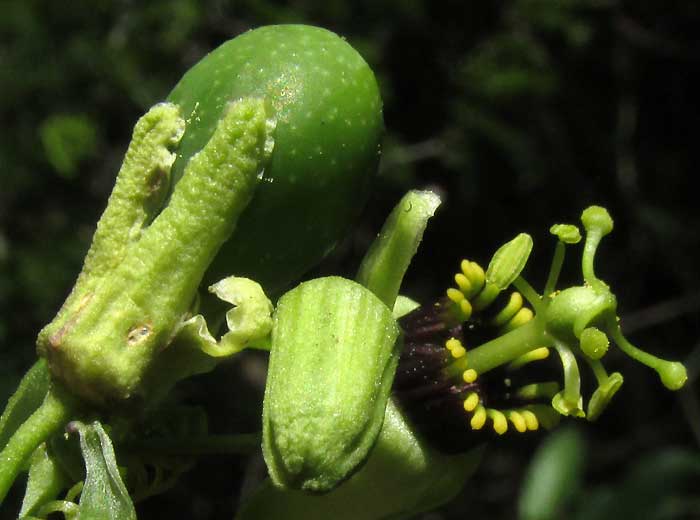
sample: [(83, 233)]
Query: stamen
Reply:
[(486, 296), (456, 348), (509, 311), (500, 424), (531, 422), (479, 418), (517, 420), (463, 283), (475, 274), (466, 309), (469, 375), (521, 318), (455, 295), (534, 355), (471, 402)]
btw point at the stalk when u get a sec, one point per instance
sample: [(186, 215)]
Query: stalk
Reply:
[(50, 417)]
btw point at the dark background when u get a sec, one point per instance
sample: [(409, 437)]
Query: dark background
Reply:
[(519, 113)]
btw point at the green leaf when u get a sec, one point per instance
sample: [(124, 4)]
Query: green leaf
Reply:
[(68, 139), (332, 362), (27, 398), (104, 496), (554, 476), (387, 260)]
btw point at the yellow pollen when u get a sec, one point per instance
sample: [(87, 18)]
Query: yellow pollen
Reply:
[(469, 375), (506, 313), (471, 402), (478, 419), (530, 418), (452, 343), (518, 421), (500, 424), (521, 318), (463, 282), (458, 352), (455, 295)]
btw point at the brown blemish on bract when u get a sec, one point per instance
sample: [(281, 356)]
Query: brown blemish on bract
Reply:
[(138, 333), (56, 339)]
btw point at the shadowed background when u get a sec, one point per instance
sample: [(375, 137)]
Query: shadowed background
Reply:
[(519, 114)]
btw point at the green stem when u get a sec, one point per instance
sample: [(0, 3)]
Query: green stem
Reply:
[(503, 349), (529, 293), (205, 445), (555, 269), (46, 420)]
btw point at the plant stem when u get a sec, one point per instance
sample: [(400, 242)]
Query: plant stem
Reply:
[(53, 413)]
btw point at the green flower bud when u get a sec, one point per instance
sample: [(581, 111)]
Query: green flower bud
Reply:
[(509, 261), (333, 357)]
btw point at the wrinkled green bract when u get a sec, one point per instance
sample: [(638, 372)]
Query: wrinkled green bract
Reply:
[(329, 122)]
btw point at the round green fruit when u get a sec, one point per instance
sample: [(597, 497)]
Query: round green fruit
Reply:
[(328, 113)]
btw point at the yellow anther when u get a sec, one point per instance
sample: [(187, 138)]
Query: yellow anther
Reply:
[(469, 375), (458, 352), (471, 402), (518, 420), (463, 283), (530, 418), (500, 424), (452, 343), (475, 274), (479, 418), (534, 355), (455, 295), (466, 309), (521, 318), (515, 303)]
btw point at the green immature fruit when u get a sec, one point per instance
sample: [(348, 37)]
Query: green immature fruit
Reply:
[(333, 357), (326, 103)]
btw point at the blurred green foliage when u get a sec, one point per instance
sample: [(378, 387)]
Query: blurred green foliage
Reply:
[(520, 113)]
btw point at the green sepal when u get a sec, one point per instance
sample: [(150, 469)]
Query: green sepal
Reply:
[(332, 362), (104, 495), (509, 261), (389, 256), (27, 398)]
